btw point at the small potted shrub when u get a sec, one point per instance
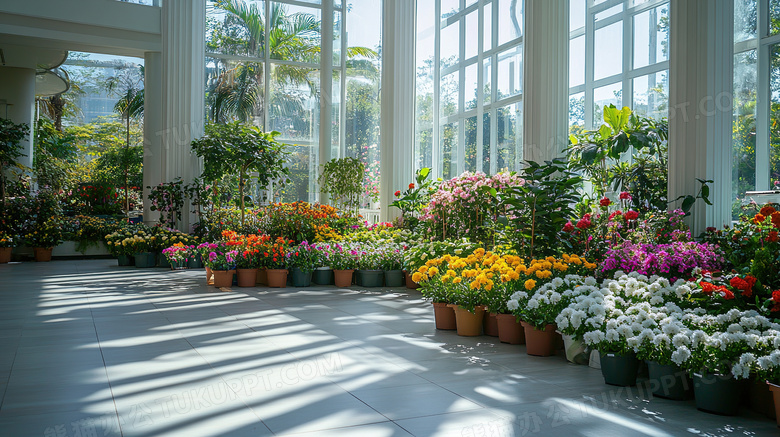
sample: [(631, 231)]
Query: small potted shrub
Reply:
[(302, 260), (223, 265), (323, 273), (344, 261), (392, 259), (44, 237), (276, 262), (7, 244)]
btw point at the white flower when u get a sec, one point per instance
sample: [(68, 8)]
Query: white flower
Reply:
[(612, 335), (512, 304), (681, 355), (680, 340), (590, 281), (532, 304)]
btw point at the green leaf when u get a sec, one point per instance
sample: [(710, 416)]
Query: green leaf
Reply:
[(688, 203), (605, 131)]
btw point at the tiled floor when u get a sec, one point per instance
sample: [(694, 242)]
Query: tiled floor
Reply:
[(91, 349)]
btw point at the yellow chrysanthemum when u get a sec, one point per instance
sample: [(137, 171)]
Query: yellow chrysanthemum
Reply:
[(530, 284)]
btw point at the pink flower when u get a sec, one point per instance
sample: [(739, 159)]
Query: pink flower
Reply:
[(568, 227)]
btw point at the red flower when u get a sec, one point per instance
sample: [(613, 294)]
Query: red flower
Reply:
[(397, 193), (742, 285), (632, 215), (615, 214), (776, 296), (759, 218), (772, 237), (706, 287), (605, 202), (625, 196), (776, 219), (583, 223), (411, 186), (726, 293), (568, 227), (767, 210)]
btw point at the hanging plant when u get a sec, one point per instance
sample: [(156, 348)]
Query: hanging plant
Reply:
[(342, 179)]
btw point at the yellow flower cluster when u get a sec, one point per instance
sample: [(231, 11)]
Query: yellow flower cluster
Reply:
[(324, 233)]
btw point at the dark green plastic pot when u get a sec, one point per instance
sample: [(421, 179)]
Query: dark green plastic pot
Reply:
[(394, 278), (668, 381), (162, 261), (322, 276), (300, 278), (370, 278), (145, 259), (619, 369), (125, 260), (718, 394)]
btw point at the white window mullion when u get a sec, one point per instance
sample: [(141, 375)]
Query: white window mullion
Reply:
[(589, 60), (435, 147), (494, 91), (763, 99), (480, 87), (459, 151), (628, 59)]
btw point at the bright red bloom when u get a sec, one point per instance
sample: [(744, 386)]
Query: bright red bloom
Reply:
[(632, 215), (615, 214), (625, 195), (568, 227), (706, 287), (776, 296), (726, 293), (411, 186), (759, 218), (397, 193), (583, 223), (767, 210), (775, 217), (605, 202)]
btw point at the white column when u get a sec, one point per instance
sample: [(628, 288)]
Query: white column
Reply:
[(326, 91), (397, 111), (153, 141), (183, 81), (700, 106), (546, 79), (17, 103)]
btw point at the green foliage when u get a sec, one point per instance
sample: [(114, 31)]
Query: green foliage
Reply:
[(55, 154), (11, 136), (412, 200), (539, 208), (342, 179), (168, 198)]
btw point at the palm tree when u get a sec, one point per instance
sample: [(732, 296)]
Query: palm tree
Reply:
[(129, 106)]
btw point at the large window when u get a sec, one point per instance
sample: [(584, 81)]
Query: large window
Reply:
[(618, 54), (469, 86), (756, 141), (264, 66)]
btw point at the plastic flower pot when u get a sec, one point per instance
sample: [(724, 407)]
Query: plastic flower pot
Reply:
[(469, 324), (223, 278), (42, 254), (178, 264), (246, 277), (277, 278), (342, 278), (444, 316), (760, 397), (322, 276), (194, 263), (619, 369), (300, 278), (718, 394), (539, 342), (162, 261), (370, 278), (125, 260), (409, 283), (509, 329), (394, 278), (490, 325), (145, 260), (668, 381), (775, 389)]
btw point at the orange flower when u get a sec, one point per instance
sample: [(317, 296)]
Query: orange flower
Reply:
[(767, 210), (759, 218)]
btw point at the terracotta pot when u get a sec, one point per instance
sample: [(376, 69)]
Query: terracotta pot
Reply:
[(277, 278), (469, 324), (223, 278), (540, 343), (509, 329), (246, 277), (444, 316), (409, 283), (775, 389), (209, 276), (42, 254), (490, 325), (5, 254), (262, 276), (342, 278)]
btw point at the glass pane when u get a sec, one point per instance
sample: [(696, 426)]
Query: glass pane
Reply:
[(577, 61), (234, 91), (744, 130), (300, 179), (228, 33), (449, 150), (449, 8), (651, 95), (609, 12), (486, 158), (774, 118), (774, 17), (448, 104), (510, 137), (604, 96), (470, 158), (488, 78), (335, 116), (449, 50), (510, 72), (577, 113), (294, 107), (510, 20), (745, 19), (576, 14), (426, 18), (337, 31), (472, 30), (470, 87), (295, 35), (487, 27), (608, 51), (651, 37)]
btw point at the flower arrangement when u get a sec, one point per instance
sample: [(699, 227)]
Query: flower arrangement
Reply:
[(343, 257), (304, 256), (275, 253), (45, 234), (672, 260), (420, 253), (391, 256), (7, 240), (221, 260), (178, 253), (300, 221), (139, 242)]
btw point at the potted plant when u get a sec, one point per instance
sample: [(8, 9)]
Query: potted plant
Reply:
[(115, 242), (323, 273), (392, 264), (204, 249), (342, 180), (302, 259), (140, 244), (369, 266), (177, 256), (223, 266), (44, 236), (343, 260), (412, 201), (438, 290), (168, 198), (276, 262), (7, 244)]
